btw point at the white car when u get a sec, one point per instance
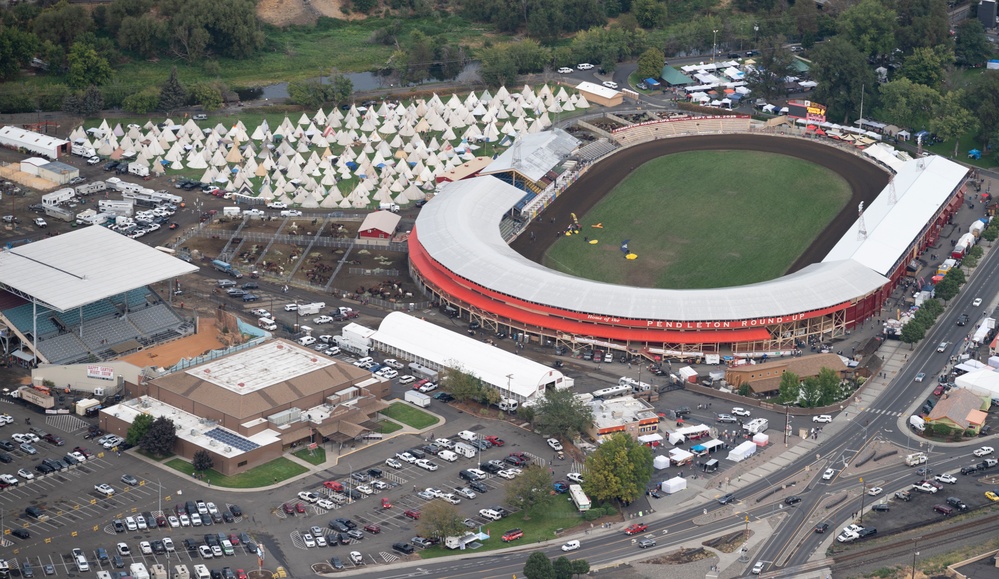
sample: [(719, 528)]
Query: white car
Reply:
[(308, 497), (758, 567), (196, 520), (93, 160), (875, 491), (822, 418), (609, 84), (515, 471), (828, 474), (173, 521), (320, 540), (424, 463), (380, 485), (277, 205), (25, 474), (466, 492), (740, 412), (407, 379), (290, 307), (168, 545), (185, 521), (365, 489), (217, 551), (322, 320), (145, 547), (387, 373), (428, 387), (505, 474), (291, 213), (946, 478), (451, 498), (205, 551), (252, 212), (306, 340), (926, 488), (406, 457), (123, 550), (393, 463), (308, 540), (393, 363), (356, 557), (565, 70), (9, 479), (575, 477), (584, 66), (212, 509), (977, 302), (983, 451), (104, 489), (325, 504), (554, 443), (434, 492)]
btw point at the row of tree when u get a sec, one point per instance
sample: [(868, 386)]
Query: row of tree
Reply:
[(154, 436), (821, 390)]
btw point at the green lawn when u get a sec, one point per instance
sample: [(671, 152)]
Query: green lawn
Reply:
[(388, 426), (540, 526), (317, 456), (410, 415), (704, 219), (274, 471)]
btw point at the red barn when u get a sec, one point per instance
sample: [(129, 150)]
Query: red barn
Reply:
[(379, 225)]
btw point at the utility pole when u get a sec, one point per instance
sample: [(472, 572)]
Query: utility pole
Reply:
[(863, 494), (787, 424), (714, 45)]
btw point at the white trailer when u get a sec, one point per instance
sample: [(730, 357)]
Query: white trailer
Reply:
[(91, 188), (138, 169), (58, 197), (60, 213), (117, 207), (757, 425), (91, 217), (231, 211), (310, 309), (418, 398), (80, 148)]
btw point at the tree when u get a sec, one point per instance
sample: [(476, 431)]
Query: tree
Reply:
[(142, 103), (912, 332), (440, 520), (790, 388), (906, 104), (462, 385), (843, 76), (947, 289), (202, 461), (17, 48), (86, 104), (142, 34), (86, 67), (161, 437), (173, 95), (418, 58), (497, 68), (951, 119), (927, 66), (990, 234), (562, 568), (531, 489), (208, 95), (62, 23), (806, 21), (650, 63), (983, 98), (650, 13), (767, 78), (828, 386), (810, 393), (971, 46), (921, 23), (870, 27), (619, 470), (538, 566), (137, 431), (580, 567), (309, 93), (561, 413)]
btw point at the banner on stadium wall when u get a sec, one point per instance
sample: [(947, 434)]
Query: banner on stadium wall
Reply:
[(808, 110)]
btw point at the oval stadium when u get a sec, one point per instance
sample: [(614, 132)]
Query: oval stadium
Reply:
[(472, 248)]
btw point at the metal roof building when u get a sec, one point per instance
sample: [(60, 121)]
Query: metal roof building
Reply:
[(80, 267), (532, 156), (36, 143)]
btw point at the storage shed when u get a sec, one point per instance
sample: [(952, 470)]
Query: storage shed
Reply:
[(599, 94), (33, 143), (379, 225), (57, 172)]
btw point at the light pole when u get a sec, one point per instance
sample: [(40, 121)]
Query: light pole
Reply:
[(863, 493), (756, 30), (714, 45), (509, 390), (915, 554)]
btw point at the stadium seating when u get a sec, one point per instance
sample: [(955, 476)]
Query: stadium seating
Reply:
[(63, 348), (153, 319)]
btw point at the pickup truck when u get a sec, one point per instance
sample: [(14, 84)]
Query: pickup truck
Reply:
[(903, 496)]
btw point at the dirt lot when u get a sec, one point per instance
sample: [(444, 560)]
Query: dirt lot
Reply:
[(297, 12)]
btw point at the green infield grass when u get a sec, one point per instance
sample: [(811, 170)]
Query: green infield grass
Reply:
[(704, 219)]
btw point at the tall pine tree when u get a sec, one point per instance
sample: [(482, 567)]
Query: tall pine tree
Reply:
[(173, 95)]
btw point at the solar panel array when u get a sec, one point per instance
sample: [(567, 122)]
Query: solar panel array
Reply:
[(232, 439)]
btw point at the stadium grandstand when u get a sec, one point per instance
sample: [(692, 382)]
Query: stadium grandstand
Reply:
[(85, 296), (530, 164)]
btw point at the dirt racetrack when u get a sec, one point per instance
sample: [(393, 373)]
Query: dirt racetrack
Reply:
[(865, 179)]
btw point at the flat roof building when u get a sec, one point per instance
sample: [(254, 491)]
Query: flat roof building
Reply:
[(32, 142), (633, 416), (599, 94)]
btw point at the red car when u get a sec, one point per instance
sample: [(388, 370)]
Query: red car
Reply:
[(512, 535), (415, 515), (333, 486), (495, 440), (373, 528), (300, 508), (240, 574), (288, 508), (386, 504), (233, 539), (636, 529), (938, 390)]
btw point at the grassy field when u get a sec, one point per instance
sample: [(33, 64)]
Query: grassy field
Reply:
[(703, 220), (317, 456), (538, 526), (388, 426), (410, 415), (273, 472)]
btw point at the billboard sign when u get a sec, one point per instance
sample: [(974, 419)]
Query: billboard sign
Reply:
[(100, 372), (808, 110)]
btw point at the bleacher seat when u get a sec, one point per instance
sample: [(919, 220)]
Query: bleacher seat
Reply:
[(21, 318), (154, 319), (63, 348)]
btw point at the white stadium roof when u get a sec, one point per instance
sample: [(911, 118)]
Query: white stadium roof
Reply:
[(922, 187), (444, 347), (83, 266), (460, 230), (538, 153)]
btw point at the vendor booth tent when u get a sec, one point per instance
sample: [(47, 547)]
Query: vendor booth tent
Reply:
[(660, 462), (673, 485), (742, 452), (680, 456)]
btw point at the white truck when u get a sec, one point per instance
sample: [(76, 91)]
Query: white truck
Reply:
[(915, 458), (138, 169), (385, 206), (757, 425), (418, 398), (81, 149), (311, 309), (267, 324)]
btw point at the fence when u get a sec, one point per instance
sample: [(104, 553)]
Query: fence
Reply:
[(340, 243), (377, 271)]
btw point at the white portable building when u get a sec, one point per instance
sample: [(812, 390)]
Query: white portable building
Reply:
[(673, 485), (660, 462), (761, 439), (688, 374), (742, 452)]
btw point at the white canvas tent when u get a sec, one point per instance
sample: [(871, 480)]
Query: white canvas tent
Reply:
[(673, 485), (742, 452), (660, 462)]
